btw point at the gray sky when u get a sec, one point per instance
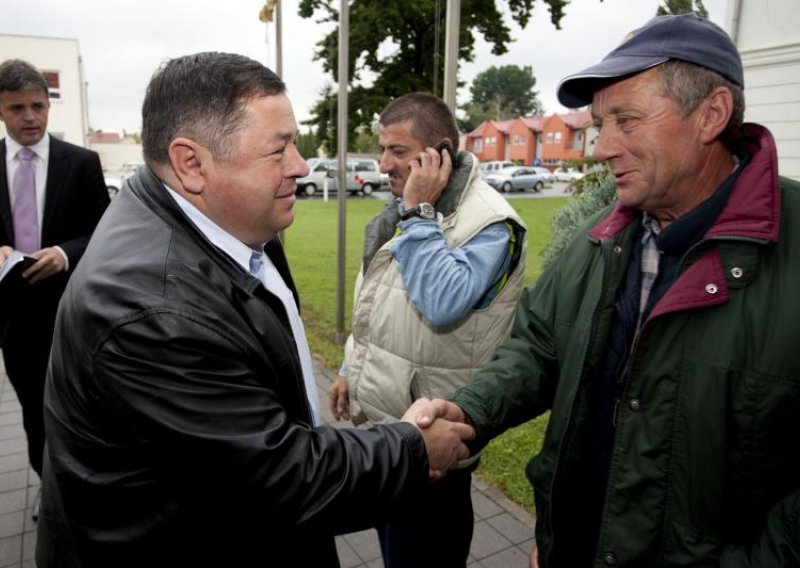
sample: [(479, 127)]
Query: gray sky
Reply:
[(123, 41)]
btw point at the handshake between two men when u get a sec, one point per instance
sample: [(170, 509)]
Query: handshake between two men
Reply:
[(445, 431)]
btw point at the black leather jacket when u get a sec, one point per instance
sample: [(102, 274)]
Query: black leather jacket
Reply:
[(177, 420)]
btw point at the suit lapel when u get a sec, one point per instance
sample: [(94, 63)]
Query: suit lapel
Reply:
[(5, 199), (56, 176)]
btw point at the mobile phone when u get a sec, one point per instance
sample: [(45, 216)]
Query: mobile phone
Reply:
[(446, 146)]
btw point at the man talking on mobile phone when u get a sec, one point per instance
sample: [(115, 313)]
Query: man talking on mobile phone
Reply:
[(442, 269)]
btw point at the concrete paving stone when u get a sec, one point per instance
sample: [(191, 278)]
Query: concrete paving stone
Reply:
[(11, 551), (10, 431), (9, 395), (11, 418), (11, 480), (29, 545), (511, 528), (30, 495), (12, 501), (13, 462), (509, 558), (366, 544), (347, 556), (13, 446), (33, 477), (378, 563), (483, 506), (12, 524), (10, 406), (30, 524), (487, 541)]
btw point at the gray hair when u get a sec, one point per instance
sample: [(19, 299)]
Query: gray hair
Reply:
[(19, 75), (687, 85), (202, 97), (431, 119)]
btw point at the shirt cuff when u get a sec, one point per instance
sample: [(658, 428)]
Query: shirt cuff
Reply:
[(66, 258)]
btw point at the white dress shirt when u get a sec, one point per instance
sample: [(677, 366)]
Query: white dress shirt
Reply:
[(272, 281)]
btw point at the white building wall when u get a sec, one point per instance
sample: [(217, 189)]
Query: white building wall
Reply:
[(767, 33), (113, 156), (68, 114)]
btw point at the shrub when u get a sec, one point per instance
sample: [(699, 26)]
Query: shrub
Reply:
[(592, 193)]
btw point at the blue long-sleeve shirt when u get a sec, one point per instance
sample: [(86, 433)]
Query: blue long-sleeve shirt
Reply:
[(446, 283)]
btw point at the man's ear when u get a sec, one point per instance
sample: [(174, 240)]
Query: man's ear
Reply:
[(187, 159), (717, 109)]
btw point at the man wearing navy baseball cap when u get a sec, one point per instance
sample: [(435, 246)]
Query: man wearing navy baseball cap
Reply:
[(664, 338)]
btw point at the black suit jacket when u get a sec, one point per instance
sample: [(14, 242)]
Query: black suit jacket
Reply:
[(75, 199)]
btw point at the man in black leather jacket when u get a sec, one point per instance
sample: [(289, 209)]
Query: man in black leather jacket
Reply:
[(180, 408)]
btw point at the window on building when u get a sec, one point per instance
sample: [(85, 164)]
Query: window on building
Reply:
[(477, 145), (490, 141), (558, 137), (519, 140), (578, 140), (53, 79), (549, 137)]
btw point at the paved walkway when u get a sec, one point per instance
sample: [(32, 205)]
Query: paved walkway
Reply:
[(503, 530)]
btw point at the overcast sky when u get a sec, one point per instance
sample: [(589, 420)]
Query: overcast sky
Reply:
[(122, 42)]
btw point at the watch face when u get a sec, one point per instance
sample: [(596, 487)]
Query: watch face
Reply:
[(426, 211)]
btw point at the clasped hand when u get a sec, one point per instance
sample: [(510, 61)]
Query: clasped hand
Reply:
[(445, 431)]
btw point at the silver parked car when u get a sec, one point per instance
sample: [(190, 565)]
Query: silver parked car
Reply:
[(517, 178), (547, 175), (362, 176)]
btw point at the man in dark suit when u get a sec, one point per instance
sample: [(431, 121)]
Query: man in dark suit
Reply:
[(53, 222)]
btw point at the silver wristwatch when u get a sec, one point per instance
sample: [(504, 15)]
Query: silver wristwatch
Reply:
[(423, 211)]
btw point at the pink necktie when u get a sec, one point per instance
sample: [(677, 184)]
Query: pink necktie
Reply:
[(26, 221)]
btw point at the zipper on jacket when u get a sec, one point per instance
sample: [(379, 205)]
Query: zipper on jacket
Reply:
[(589, 343)]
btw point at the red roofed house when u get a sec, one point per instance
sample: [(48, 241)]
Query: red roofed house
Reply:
[(490, 140), (551, 139)]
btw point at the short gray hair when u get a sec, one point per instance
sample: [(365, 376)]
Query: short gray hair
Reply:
[(687, 85)]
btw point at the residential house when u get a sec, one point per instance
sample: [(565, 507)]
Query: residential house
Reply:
[(767, 33), (566, 137), (525, 137), (546, 139), (59, 60), (490, 140)]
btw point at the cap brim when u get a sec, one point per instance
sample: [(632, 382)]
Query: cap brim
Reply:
[(577, 90)]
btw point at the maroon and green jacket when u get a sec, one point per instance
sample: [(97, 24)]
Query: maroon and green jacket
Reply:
[(705, 467)]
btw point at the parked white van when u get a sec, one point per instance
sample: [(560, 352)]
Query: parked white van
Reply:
[(362, 176), (495, 165)]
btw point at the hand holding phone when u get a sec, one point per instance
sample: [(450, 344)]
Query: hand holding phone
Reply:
[(449, 149), (428, 178)]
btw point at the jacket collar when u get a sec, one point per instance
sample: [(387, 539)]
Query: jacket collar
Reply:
[(753, 208)]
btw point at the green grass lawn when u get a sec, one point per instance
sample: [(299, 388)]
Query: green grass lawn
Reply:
[(311, 244)]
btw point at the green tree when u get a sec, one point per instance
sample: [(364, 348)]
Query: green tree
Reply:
[(682, 7), (392, 48), (502, 93), (307, 144)]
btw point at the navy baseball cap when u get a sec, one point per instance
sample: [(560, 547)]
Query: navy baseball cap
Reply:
[(687, 37)]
